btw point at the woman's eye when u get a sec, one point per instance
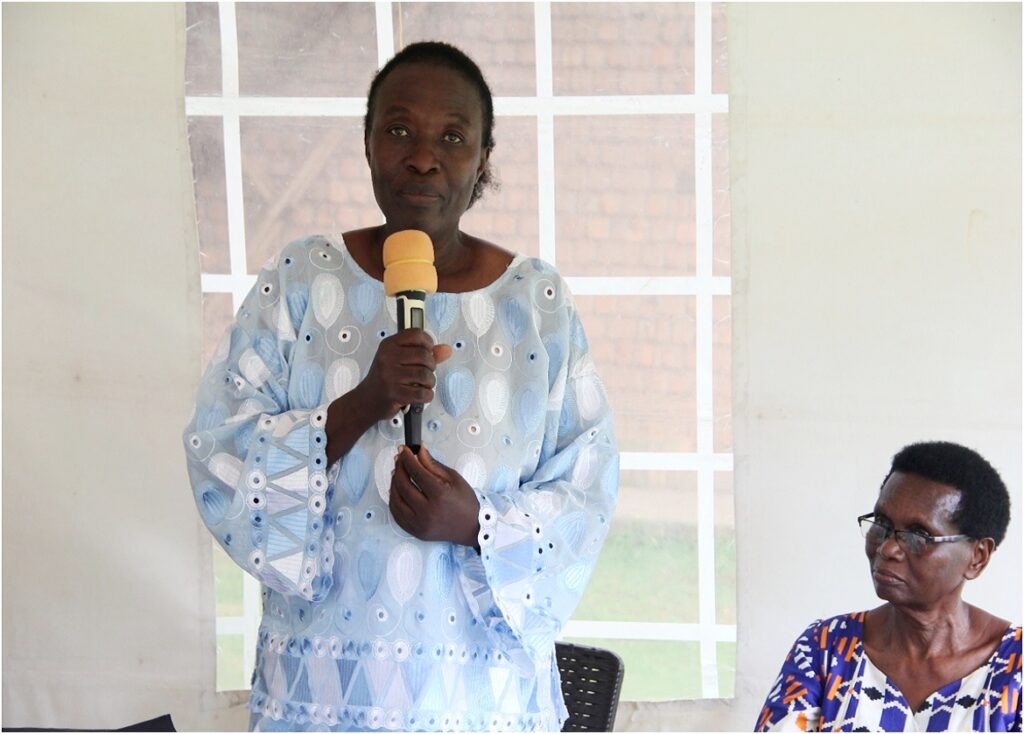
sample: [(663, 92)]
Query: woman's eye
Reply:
[(398, 131), (452, 138)]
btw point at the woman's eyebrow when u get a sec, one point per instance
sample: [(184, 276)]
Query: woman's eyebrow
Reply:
[(395, 109), (918, 523)]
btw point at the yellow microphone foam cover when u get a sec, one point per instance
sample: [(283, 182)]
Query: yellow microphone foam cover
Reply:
[(409, 263)]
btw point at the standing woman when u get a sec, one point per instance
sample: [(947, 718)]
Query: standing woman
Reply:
[(409, 591), (925, 660)]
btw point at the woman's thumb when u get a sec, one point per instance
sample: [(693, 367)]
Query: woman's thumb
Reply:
[(442, 352), (428, 463)]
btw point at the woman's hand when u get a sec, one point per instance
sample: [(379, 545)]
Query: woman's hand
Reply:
[(431, 501), (402, 373)]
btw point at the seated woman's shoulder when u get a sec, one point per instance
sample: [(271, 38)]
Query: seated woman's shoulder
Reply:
[(993, 630), (827, 632), (848, 620)]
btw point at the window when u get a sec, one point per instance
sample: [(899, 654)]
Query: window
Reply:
[(612, 151)]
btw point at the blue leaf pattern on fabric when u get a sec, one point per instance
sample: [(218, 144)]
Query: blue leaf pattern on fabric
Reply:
[(355, 469), (442, 308), (298, 301), (457, 390), (512, 318)]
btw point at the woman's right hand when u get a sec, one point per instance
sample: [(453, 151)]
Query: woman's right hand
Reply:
[(402, 373)]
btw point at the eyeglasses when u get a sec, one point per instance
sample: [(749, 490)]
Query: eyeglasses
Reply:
[(914, 542)]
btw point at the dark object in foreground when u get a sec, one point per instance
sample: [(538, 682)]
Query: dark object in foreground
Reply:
[(160, 723), (591, 681)]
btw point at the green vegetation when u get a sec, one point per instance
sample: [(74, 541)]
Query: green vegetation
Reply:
[(227, 581), (230, 673), (648, 573)]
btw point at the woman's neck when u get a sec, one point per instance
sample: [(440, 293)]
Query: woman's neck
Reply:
[(923, 633)]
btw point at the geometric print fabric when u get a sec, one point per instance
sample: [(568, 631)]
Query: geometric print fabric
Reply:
[(828, 683)]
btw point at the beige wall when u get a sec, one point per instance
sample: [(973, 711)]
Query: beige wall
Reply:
[(876, 244), (102, 583)]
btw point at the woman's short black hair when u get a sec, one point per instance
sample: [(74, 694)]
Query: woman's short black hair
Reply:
[(984, 508), (446, 55)]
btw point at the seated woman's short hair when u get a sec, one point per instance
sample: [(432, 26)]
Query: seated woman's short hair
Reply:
[(984, 509)]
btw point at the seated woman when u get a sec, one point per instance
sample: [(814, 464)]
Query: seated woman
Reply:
[(925, 660)]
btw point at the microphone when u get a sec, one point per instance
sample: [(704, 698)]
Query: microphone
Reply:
[(409, 275)]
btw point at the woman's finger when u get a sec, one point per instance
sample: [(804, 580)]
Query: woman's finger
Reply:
[(428, 462), (426, 481), (408, 491)]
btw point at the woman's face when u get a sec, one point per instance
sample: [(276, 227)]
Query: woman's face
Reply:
[(424, 148), (911, 502)]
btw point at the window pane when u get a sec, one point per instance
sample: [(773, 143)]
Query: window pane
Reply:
[(624, 193), (648, 566), (726, 652), (725, 550), (719, 49), (497, 36), (302, 176), (720, 203), (622, 48), (508, 216), (227, 579), (202, 54), (721, 371), (206, 143), (218, 313), (655, 670), (306, 49), (644, 348), (231, 672)]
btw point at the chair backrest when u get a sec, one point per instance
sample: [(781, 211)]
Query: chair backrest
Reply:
[(591, 681)]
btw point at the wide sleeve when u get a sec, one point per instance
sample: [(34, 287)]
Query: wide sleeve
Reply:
[(794, 702), (255, 444), (539, 544)]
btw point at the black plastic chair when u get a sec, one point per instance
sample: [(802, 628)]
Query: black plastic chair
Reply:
[(591, 681)]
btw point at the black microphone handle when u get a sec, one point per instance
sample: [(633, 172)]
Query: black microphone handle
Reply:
[(410, 309)]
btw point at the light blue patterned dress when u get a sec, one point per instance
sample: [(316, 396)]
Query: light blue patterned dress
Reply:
[(364, 626)]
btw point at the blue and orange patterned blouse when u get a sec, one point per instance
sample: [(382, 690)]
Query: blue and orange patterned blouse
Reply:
[(365, 626), (827, 683)]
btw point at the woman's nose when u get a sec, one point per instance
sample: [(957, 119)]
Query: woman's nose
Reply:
[(422, 157), (890, 547)]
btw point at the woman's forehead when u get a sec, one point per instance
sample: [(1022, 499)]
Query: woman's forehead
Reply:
[(912, 495), (438, 86)]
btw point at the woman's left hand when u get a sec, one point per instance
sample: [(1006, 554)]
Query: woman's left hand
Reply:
[(431, 501)]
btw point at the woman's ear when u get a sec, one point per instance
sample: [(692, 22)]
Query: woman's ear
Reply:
[(980, 555), (485, 155)]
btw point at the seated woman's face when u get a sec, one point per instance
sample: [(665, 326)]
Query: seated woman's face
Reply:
[(910, 502), (425, 147)]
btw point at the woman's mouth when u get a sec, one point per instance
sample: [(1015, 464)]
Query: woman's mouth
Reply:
[(885, 577), (419, 196)]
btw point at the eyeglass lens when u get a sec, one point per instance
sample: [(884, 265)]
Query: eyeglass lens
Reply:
[(876, 534)]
